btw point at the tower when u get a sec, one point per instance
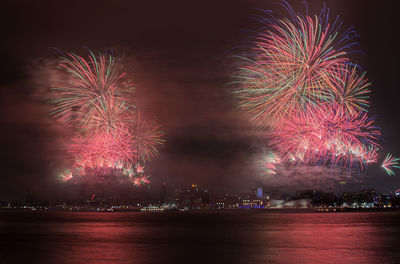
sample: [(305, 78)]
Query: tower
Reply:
[(163, 192)]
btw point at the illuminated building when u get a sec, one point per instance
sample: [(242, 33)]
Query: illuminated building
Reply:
[(227, 201), (248, 203), (259, 193), (350, 199), (193, 198), (367, 198), (291, 204)]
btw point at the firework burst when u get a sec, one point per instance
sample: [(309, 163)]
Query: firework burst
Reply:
[(289, 64), (326, 136), (389, 163), (96, 99), (296, 80), (348, 89), (91, 85), (149, 137), (269, 162)]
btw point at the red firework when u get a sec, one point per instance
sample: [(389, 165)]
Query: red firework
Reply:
[(289, 65), (327, 134), (96, 99)]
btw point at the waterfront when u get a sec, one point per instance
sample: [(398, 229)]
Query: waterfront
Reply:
[(203, 237)]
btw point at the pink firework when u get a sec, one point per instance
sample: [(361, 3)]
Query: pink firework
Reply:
[(148, 138), (326, 135), (102, 153), (269, 162), (89, 86), (289, 65), (65, 175), (139, 168), (390, 163), (96, 100), (141, 180), (348, 89), (136, 181), (145, 179)]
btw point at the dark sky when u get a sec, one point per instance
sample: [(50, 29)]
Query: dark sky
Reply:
[(179, 55)]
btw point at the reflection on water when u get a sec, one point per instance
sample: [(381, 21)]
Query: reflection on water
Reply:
[(223, 237)]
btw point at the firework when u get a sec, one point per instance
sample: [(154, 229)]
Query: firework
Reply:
[(389, 163), (149, 137), (136, 182), (64, 176), (136, 174), (348, 89), (141, 180), (297, 81), (103, 153), (96, 99), (144, 179), (327, 136), (370, 155), (112, 116), (90, 85), (269, 162), (139, 168), (289, 65)]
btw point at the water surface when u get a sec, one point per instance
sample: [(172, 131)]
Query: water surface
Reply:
[(216, 237)]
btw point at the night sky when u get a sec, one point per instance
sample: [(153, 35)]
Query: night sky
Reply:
[(179, 56)]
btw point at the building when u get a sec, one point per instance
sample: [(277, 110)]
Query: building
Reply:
[(163, 192), (193, 198), (227, 201), (259, 193)]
